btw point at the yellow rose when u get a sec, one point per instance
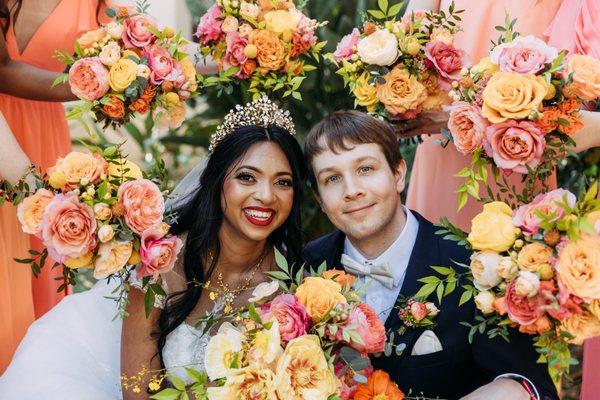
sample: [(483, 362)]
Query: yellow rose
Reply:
[(509, 95), (534, 256), (253, 382), (271, 52), (365, 93), (302, 371), (111, 258), (90, 38), (319, 296), (79, 168), (583, 326), (485, 67), (85, 261), (121, 74), (281, 20), (586, 77), (189, 71), (124, 170), (31, 210), (493, 228), (578, 267), (401, 92)]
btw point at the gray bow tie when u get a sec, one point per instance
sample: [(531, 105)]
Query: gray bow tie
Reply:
[(381, 273)]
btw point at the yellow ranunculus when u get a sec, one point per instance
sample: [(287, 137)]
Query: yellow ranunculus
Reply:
[(281, 20), (485, 67), (533, 257), (85, 261), (121, 74), (254, 382), (124, 169), (319, 296), (578, 267), (365, 93), (302, 371), (112, 256), (509, 95), (493, 229)]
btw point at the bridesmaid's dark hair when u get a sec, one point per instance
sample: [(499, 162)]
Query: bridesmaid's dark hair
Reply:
[(200, 215)]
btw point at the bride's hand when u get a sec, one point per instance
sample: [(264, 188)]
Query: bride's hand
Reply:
[(428, 122)]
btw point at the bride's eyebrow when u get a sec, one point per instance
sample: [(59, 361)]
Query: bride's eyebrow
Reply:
[(259, 171)]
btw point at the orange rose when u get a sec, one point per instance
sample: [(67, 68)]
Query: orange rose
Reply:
[(569, 106), (549, 119), (585, 71), (271, 52), (401, 92), (249, 67), (578, 267), (319, 296), (541, 325), (573, 124), (378, 386), (340, 277), (509, 95), (31, 210), (369, 28), (533, 256), (80, 168), (115, 108), (140, 105), (148, 93), (582, 326)]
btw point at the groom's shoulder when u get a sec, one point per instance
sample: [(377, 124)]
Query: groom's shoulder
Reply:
[(320, 249)]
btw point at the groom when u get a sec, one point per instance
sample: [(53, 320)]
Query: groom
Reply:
[(357, 174)]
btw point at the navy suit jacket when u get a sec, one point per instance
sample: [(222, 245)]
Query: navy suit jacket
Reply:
[(460, 367)]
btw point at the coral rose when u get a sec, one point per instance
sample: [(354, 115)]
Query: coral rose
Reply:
[(512, 96), (447, 61), (493, 229), (137, 32), (570, 124), (319, 296), (379, 48), (209, 28), (515, 146), (68, 227), (158, 253), (140, 106), (401, 92), (363, 320), (271, 52), (467, 126), (291, 316), (583, 326), (585, 71), (541, 325), (122, 74), (112, 256), (143, 204), (88, 79), (534, 256), (521, 309), (378, 386), (578, 267), (115, 108), (548, 121), (340, 276), (31, 210), (80, 168), (164, 67)]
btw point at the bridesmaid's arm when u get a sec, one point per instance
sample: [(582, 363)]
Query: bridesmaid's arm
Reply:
[(433, 5), (23, 80), (16, 163), (138, 346), (589, 135)]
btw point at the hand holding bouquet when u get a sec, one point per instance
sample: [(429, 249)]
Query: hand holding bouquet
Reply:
[(398, 68)]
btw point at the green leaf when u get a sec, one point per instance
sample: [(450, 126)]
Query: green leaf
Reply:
[(466, 296), (440, 292), (426, 290), (281, 261), (254, 314), (376, 14), (383, 5), (394, 10), (149, 302), (166, 394), (429, 279), (444, 270)]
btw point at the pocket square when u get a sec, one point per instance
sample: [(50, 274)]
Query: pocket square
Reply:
[(427, 343)]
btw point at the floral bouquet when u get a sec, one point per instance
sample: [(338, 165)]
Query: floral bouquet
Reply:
[(517, 110), (130, 66), (310, 339), (536, 268), (97, 210), (398, 68), (262, 42)]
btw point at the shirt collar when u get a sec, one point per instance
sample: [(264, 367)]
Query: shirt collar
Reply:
[(398, 254)]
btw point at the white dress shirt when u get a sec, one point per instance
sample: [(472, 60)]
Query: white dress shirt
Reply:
[(397, 256)]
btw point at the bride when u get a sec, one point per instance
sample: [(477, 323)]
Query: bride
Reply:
[(245, 203)]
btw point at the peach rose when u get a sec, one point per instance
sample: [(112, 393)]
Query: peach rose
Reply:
[(110, 54), (509, 95), (401, 92), (319, 296), (271, 52), (88, 39), (31, 210), (578, 267), (281, 21), (521, 309), (339, 276), (467, 127), (68, 227), (583, 326), (111, 258), (158, 254), (80, 168), (115, 108), (364, 321), (534, 256), (88, 79), (585, 71), (143, 204), (515, 145)]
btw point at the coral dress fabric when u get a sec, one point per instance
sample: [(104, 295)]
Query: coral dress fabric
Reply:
[(42, 131)]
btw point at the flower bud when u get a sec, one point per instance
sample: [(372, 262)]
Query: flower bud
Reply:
[(57, 180), (102, 211), (105, 233)]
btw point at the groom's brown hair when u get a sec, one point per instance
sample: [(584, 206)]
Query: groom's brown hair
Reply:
[(344, 128)]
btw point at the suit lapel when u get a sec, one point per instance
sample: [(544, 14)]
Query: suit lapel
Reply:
[(334, 250)]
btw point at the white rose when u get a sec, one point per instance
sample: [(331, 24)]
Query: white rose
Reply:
[(102, 211), (379, 48), (263, 290), (507, 268), (484, 266), (245, 29), (114, 29), (143, 71), (110, 54), (485, 301), (230, 24), (249, 10), (105, 233), (527, 284), (432, 310), (220, 348)]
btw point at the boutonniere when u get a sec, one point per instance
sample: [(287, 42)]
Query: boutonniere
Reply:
[(415, 313)]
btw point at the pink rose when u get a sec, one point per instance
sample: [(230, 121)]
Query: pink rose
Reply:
[(524, 55), (345, 47), (143, 203), (467, 126), (163, 67), (522, 310), (209, 28), (348, 385), (364, 321), (234, 55), (88, 79), (447, 61), (515, 145), (68, 227), (137, 31), (290, 314), (558, 302), (157, 253), (418, 310), (526, 218)]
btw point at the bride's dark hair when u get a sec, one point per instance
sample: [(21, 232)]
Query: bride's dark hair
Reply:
[(200, 215)]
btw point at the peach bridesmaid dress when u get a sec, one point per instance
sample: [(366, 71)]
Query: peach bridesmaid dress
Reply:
[(42, 131)]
